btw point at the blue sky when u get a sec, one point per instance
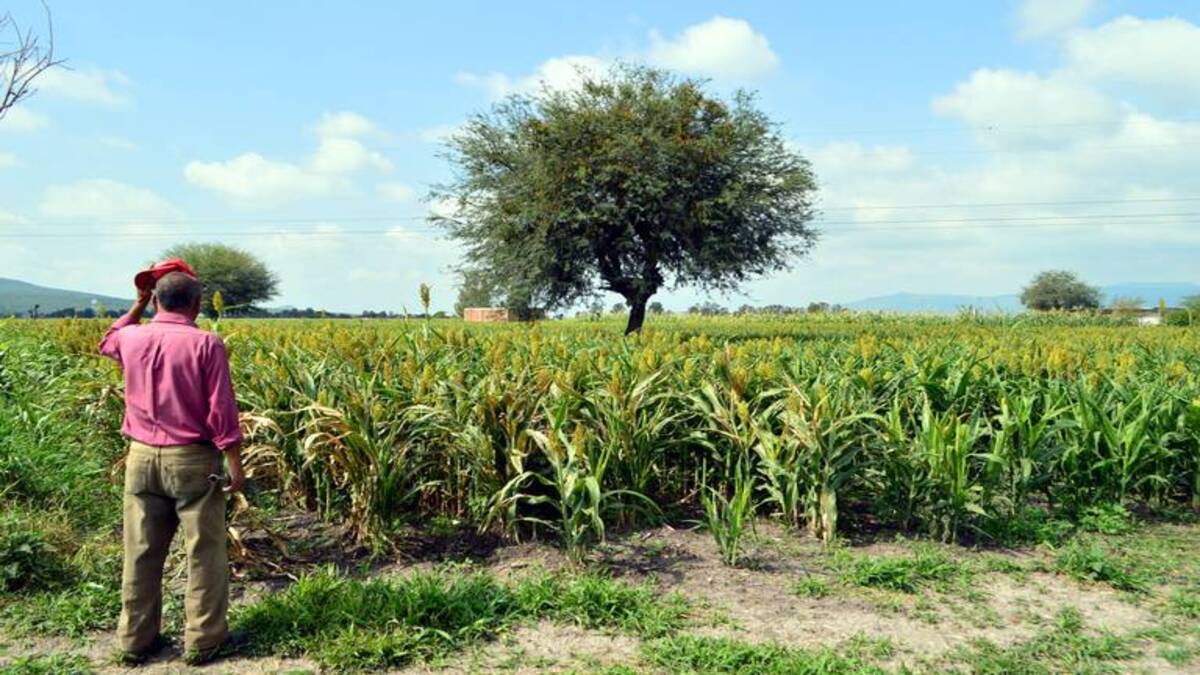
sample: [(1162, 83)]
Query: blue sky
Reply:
[(961, 147)]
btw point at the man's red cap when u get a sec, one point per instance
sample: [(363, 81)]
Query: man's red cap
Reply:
[(146, 279)]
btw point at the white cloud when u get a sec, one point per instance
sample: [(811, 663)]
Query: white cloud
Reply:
[(346, 124), (136, 215), (1020, 107), (104, 199), (396, 192), (89, 85), (346, 155), (1162, 55), (411, 240), (117, 143), (252, 177), (1044, 18), (8, 160), (22, 119), (562, 72), (721, 47), (10, 218)]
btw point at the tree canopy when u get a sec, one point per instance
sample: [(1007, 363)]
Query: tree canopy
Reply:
[(1059, 289), (634, 181), (242, 279)]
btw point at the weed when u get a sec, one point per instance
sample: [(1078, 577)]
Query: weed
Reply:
[(1066, 647), (812, 587), (58, 664), (1106, 519), (721, 655), (349, 624), (906, 574), (1089, 560), (1185, 602)]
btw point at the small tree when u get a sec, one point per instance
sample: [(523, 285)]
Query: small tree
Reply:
[(1126, 305), (1059, 290), (23, 56), (656, 307), (242, 280), (475, 289), (634, 181)]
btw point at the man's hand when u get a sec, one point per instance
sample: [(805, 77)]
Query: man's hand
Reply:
[(237, 478), (143, 297)]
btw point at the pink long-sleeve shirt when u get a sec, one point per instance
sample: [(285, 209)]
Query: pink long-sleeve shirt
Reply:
[(177, 385)]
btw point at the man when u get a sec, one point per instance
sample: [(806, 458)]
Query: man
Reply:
[(181, 418)]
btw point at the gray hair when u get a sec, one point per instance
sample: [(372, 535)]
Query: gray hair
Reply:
[(177, 291)]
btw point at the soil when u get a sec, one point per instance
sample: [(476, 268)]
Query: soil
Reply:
[(753, 604)]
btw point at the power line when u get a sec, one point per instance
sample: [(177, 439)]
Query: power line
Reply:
[(335, 220), (990, 128), (948, 225), (433, 228)]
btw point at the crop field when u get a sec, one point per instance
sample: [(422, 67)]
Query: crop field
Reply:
[(812, 494)]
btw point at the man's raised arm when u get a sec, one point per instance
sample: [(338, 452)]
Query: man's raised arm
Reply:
[(108, 344)]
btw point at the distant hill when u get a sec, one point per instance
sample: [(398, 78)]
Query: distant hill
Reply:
[(18, 297), (1149, 292)]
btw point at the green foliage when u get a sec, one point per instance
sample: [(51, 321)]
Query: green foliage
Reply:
[(1088, 559), (812, 587), (700, 655), (1186, 602), (1067, 647), (633, 180), (475, 289), (906, 574), (57, 664), (242, 280), (27, 561), (1106, 519), (1059, 290), (348, 624), (729, 518)]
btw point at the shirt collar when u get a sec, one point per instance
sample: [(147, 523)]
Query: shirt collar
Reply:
[(163, 316)]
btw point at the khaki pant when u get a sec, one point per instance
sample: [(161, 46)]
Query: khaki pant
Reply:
[(166, 488)]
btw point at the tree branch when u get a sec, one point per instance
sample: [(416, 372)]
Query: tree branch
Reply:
[(25, 62)]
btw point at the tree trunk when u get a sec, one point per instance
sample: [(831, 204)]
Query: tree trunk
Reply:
[(637, 313)]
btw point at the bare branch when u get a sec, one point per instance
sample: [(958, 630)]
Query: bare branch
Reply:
[(28, 58)]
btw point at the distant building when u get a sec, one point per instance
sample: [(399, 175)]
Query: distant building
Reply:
[(485, 314), (491, 314)]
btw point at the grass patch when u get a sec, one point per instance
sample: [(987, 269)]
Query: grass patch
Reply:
[(907, 573), (1088, 559), (812, 587), (1066, 647), (59, 664), (348, 624), (690, 654), (1185, 602), (87, 598)]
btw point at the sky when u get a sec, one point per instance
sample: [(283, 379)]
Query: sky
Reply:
[(960, 147)]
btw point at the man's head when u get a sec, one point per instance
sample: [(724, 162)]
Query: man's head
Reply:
[(178, 293)]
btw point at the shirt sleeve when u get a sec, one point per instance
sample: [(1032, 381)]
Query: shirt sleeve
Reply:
[(222, 420), (109, 344)]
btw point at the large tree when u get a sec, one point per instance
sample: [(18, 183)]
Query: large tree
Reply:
[(243, 280), (1059, 289), (23, 56), (634, 181)]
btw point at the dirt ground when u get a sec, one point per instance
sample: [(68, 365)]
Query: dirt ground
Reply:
[(755, 605)]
